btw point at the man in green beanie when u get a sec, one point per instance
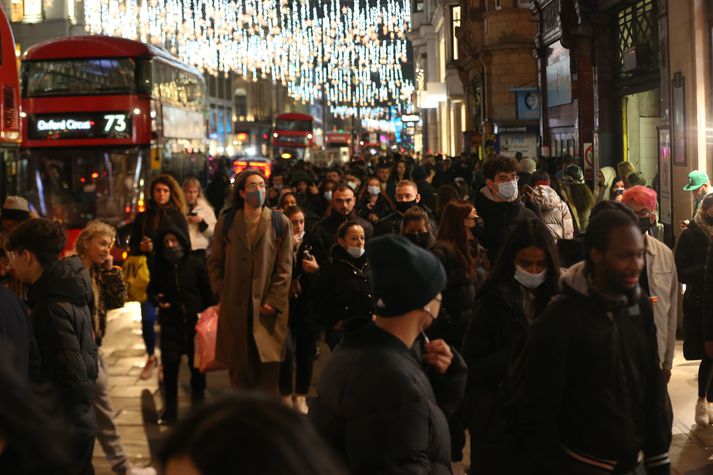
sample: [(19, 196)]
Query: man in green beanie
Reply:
[(385, 394)]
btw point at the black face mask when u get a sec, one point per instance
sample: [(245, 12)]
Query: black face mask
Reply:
[(403, 206), (645, 224), (174, 254), (419, 239)]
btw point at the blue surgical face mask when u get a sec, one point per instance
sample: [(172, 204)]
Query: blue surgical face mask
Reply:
[(255, 198), (355, 252), (374, 190), (508, 190), (531, 281), (327, 195)]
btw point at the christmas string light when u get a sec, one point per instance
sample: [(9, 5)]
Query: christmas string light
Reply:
[(352, 55)]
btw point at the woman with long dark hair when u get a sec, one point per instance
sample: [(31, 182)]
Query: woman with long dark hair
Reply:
[(166, 207), (455, 247), (523, 280), (399, 172), (690, 255)]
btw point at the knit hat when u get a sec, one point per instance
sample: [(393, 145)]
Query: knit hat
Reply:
[(15, 208), (527, 165), (404, 276)]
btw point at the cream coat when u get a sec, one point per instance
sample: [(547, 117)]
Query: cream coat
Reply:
[(663, 287), (241, 276)]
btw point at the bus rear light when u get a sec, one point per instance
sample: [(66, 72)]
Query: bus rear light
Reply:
[(128, 210), (95, 175)]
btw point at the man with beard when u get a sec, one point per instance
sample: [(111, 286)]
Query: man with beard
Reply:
[(587, 394), (324, 233)]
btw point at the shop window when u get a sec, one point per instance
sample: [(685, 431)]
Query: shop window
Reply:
[(32, 11), (637, 40), (498, 4), (241, 103), (455, 25), (17, 10), (418, 5)]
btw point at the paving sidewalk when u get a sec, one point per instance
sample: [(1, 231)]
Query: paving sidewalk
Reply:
[(137, 402)]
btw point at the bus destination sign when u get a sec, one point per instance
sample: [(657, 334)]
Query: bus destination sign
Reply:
[(86, 125)]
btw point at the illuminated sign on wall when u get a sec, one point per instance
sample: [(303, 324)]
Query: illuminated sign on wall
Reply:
[(88, 125)]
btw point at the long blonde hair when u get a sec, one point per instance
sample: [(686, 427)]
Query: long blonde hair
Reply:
[(193, 181)]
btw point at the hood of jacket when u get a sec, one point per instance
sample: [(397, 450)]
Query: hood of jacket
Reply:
[(575, 278), (66, 280), (546, 197), (172, 228)]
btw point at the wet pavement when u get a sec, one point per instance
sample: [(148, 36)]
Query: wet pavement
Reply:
[(138, 402)]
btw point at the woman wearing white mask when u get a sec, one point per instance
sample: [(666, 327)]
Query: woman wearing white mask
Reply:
[(374, 203), (524, 279), (341, 294)]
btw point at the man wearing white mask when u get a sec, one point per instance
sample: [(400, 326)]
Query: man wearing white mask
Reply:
[(498, 204)]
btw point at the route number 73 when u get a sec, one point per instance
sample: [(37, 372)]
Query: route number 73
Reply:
[(115, 122)]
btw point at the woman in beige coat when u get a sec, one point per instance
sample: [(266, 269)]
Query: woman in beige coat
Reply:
[(250, 267)]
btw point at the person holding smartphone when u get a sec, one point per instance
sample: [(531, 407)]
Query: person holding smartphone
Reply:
[(296, 371)]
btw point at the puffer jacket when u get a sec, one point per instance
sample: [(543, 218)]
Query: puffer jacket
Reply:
[(342, 290), (555, 212), (61, 302), (381, 410), (591, 359)]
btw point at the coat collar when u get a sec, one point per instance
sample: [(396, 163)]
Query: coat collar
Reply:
[(242, 228)]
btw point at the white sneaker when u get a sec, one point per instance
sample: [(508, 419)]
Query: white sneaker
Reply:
[(702, 416), (457, 468), (300, 404)]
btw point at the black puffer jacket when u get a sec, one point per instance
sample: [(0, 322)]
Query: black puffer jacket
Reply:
[(342, 289), (595, 361), (61, 302), (324, 233), (458, 296), (378, 409), (186, 286)]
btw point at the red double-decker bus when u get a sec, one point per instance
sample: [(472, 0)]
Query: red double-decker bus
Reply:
[(292, 135), (9, 108), (100, 117)]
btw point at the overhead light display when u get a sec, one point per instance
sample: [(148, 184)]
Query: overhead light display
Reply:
[(352, 53)]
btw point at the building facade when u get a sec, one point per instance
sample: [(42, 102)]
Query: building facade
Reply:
[(239, 114), (628, 80), (439, 96), (499, 73)]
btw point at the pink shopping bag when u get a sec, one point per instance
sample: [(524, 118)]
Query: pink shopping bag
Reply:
[(205, 340)]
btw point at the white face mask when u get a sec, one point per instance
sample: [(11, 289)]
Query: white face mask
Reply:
[(352, 185), (374, 190), (355, 252), (508, 190), (528, 280)]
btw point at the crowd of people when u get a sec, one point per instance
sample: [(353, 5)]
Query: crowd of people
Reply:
[(501, 299)]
